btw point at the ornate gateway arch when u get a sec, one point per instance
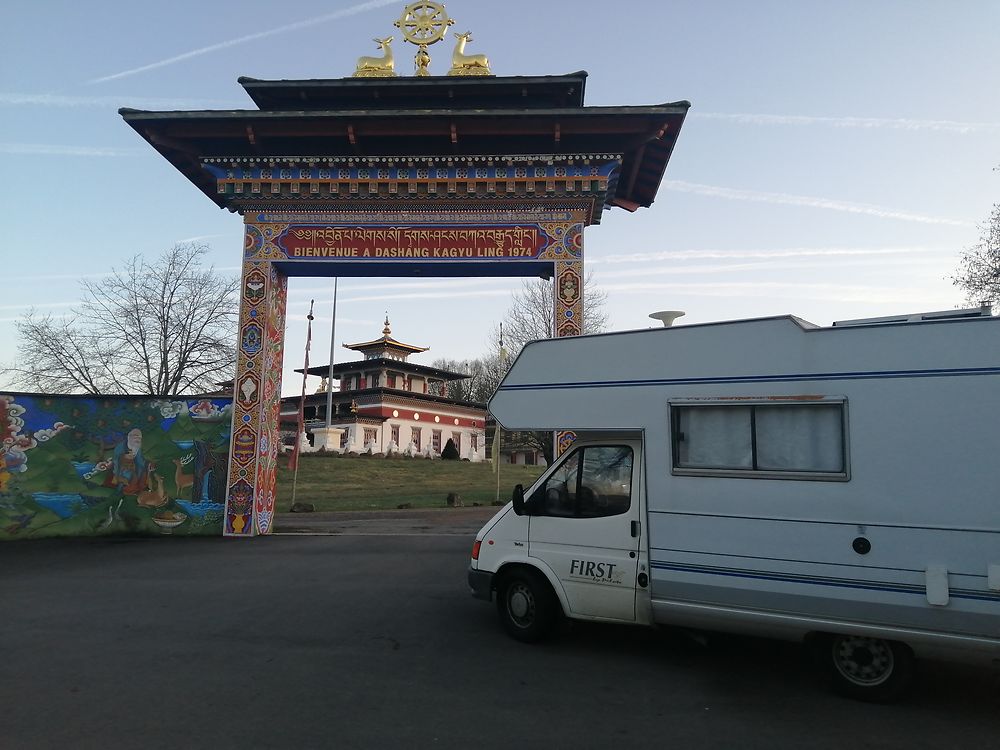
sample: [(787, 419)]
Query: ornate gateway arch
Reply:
[(467, 174)]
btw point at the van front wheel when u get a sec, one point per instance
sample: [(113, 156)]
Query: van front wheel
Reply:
[(526, 605), (869, 669)]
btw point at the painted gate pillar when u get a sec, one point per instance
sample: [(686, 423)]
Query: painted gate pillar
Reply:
[(256, 438), (567, 307)]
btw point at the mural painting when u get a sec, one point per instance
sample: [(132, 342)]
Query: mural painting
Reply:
[(86, 465)]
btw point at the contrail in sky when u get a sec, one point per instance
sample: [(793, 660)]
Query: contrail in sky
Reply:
[(950, 126), (202, 237), (431, 295), (60, 100), (767, 266), (787, 199), (45, 149), (447, 284), (793, 252), (32, 304), (353, 10), (825, 292)]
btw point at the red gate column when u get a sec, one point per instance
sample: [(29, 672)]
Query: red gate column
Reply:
[(256, 397)]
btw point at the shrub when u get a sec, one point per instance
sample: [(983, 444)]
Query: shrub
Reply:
[(450, 452)]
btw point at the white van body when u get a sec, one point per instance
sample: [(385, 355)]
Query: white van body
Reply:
[(786, 479)]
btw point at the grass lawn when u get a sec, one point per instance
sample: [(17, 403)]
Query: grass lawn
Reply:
[(332, 482)]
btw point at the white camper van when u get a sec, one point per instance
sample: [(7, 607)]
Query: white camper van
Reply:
[(765, 476)]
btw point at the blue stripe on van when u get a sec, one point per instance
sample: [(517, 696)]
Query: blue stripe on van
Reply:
[(764, 575), (800, 377)]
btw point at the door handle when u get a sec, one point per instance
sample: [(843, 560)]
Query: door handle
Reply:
[(635, 529)]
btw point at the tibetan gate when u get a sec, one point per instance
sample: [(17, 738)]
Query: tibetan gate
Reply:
[(411, 177)]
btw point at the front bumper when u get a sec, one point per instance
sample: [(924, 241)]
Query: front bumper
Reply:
[(481, 583)]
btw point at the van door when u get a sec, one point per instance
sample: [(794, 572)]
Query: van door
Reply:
[(584, 525)]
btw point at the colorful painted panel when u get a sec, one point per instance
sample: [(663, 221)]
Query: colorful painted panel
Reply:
[(568, 293), (85, 465), (473, 237), (253, 464), (426, 242)]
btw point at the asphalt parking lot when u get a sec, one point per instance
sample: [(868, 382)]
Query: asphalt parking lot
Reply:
[(368, 639)]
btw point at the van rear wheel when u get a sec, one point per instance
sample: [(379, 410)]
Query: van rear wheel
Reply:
[(869, 669), (526, 605)]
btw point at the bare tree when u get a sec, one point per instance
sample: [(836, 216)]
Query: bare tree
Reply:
[(978, 273), (484, 375), (161, 328), (531, 316)]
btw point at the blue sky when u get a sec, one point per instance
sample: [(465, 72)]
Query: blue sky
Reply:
[(836, 159)]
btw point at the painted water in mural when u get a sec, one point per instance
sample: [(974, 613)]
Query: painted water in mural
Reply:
[(84, 465)]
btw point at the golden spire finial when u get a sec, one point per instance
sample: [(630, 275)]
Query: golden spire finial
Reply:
[(424, 23), (386, 331)]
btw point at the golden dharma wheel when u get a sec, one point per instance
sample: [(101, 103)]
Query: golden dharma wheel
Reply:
[(424, 22)]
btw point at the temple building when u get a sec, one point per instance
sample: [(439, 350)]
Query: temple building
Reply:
[(387, 404)]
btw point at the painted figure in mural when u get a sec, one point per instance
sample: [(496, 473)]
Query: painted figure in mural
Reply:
[(131, 470)]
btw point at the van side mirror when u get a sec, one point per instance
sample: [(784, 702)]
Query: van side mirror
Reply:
[(517, 499)]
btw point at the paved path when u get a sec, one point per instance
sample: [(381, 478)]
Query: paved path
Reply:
[(423, 521), (372, 641)]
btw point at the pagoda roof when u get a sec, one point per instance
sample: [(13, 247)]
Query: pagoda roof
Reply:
[(417, 118), (427, 92), (387, 362), (387, 342)]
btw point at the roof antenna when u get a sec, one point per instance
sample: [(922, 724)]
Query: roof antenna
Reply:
[(667, 317)]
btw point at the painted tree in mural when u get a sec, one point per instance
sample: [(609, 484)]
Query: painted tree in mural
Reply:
[(164, 327)]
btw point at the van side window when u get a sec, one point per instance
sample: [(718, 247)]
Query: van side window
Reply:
[(793, 440), (593, 482)]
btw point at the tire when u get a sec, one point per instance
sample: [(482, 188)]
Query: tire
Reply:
[(869, 669), (526, 605)]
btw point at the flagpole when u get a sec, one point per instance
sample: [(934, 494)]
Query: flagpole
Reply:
[(300, 421), (496, 433), (329, 376)]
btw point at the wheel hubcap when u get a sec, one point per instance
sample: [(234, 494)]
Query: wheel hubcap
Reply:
[(521, 604), (863, 661)]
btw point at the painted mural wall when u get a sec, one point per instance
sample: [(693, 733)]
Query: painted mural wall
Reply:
[(86, 466)]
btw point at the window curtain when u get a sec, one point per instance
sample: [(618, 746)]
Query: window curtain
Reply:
[(716, 437), (800, 438)]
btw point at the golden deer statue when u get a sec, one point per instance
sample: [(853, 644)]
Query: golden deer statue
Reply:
[(377, 67), (467, 65)]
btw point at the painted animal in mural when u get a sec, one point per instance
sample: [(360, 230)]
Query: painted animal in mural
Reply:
[(181, 480), (463, 64), (371, 66), (153, 498)]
